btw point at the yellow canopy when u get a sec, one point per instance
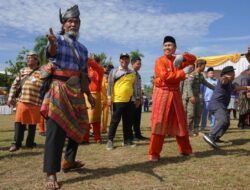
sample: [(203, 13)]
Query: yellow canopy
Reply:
[(213, 61)]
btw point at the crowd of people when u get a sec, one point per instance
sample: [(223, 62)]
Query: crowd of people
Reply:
[(73, 94)]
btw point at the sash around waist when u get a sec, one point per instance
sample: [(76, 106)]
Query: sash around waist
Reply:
[(64, 75)]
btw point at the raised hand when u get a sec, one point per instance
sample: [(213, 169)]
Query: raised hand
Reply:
[(51, 36)]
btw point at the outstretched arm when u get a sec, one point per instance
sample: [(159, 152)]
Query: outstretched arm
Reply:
[(52, 43)]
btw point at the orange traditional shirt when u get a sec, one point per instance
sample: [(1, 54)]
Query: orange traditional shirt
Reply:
[(95, 73), (168, 115), (166, 74)]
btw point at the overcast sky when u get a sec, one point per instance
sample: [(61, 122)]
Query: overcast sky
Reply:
[(204, 28)]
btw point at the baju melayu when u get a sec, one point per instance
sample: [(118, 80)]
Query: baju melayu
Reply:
[(95, 74), (168, 115), (64, 105), (28, 105)]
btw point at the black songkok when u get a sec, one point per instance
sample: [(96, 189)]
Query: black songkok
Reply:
[(169, 39)]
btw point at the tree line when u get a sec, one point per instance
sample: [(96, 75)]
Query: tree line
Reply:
[(41, 42)]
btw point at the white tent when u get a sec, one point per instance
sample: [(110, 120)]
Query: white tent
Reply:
[(240, 66), (238, 61)]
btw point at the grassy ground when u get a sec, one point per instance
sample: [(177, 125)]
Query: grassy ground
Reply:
[(128, 168)]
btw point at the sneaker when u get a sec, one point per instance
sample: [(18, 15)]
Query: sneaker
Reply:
[(135, 139), (142, 138), (219, 141), (129, 143), (110, 145), (208, 139)]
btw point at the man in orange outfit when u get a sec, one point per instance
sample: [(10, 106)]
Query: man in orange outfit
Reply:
[(95, 74), (168, 115)]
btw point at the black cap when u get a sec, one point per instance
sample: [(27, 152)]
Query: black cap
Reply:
[(169, 39), (227, 69), (124, 55), (108, 68), (210, 69)]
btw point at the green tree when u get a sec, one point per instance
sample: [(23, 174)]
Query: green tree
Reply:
[(40, 48), (135, 54), (14, 68), (104, 59), (4, 80), (148, 90), (152, 78)]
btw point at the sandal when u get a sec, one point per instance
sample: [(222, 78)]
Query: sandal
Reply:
[(51, 183), (13, 148), (67, 166)]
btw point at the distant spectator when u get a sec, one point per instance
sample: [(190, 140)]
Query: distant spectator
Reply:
[(207, 94), (244, 102), (233, 104), (146, 104)]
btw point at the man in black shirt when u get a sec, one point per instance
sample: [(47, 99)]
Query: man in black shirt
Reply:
[(219, 103)]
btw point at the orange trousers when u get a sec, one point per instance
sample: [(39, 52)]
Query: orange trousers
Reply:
[(96, 131), (156, 144)]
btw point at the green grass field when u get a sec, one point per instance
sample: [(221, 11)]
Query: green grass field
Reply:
[(128, 168)]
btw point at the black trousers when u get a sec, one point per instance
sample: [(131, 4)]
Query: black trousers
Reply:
[(19, 134), (54, 143), (222, 123), (136, 125), (122, 110)]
